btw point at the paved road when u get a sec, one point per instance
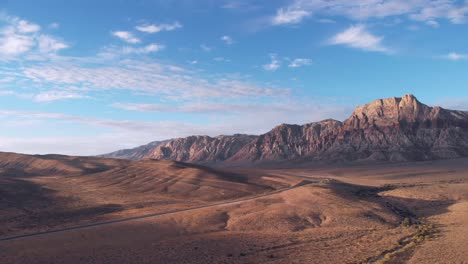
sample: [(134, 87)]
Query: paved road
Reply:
[(8, 238)]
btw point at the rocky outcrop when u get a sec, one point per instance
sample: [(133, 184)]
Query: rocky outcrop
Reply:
[(393, 129), (286, 142), (201, 148), (137, 153), (400, 129)]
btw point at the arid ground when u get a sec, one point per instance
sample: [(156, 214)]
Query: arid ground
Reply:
[(115, 211)]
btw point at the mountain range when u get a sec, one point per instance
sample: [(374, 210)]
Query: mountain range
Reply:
[(392, 129)]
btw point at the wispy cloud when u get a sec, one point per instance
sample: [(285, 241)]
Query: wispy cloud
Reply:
[(456, 56), (243, 6), (427, 11), (27, 27), (155, 28), (50, 96), (200, 108), (274, 64), (143, 50), (227, 39), (289, 16), (221, 59), (127, 133), (231, 108), (44, 96), (50, 44), (299, 62), (164, 80), (126, 36), (358, 37), (433, 23)]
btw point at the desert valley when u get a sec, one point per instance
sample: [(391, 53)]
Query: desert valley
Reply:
[(387, 185)]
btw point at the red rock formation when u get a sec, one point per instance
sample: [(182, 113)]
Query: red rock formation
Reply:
[(394, 129)]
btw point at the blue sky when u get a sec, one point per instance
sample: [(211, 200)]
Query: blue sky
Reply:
[(88, 77)]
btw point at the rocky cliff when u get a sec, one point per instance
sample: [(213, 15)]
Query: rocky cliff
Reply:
[(393, 129), (201, 148), (137, 153)]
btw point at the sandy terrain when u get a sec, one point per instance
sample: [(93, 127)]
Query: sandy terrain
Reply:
[(401, 213)]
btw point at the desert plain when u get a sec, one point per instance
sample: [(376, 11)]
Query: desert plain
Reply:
[(60, 209)]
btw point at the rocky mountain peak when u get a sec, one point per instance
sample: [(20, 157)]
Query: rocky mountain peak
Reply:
[(391, 112), (394, 129)]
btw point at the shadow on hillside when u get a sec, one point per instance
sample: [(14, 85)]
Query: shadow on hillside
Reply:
[(79, 163), (222, 174), (29, 206), (403, 207)]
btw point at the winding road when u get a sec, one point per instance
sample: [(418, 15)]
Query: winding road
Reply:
[(9, 238)]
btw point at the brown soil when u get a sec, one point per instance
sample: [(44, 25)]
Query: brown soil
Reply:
[(400, 213)]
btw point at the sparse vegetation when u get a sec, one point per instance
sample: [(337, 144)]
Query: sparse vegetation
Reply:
[(389, 256), (406, 222), (424, 232)]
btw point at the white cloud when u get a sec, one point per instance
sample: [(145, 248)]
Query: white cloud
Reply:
[(299, 62), (216, 108), (24, 26), (155, 28), (289, 16), (144, 76), (227, 39), (454, 12), (50, 96), (433, 23), (14, 44), (358, 37), (143, 50), (126, 36), (202, 107), (274, 64), (428, 11), (50, 44), (19, 37), (456, 56)]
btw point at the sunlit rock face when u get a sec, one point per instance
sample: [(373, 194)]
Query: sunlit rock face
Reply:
[(391, 129)]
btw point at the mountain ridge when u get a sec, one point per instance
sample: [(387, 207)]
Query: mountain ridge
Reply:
[(390, 129)]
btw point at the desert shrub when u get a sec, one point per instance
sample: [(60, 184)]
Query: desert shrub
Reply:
[(406, 222)]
